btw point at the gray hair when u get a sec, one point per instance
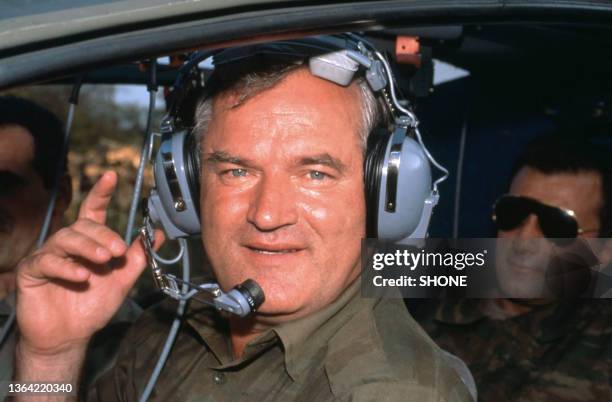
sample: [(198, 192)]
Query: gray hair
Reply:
[(252, 83)]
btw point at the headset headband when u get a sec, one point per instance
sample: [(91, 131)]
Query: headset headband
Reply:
[(335, 58), (399, 193)]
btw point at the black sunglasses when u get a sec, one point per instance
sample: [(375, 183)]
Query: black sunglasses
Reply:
[(510, 211)]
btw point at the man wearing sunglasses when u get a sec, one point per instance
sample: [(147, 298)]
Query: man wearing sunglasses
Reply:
[(522, 346)]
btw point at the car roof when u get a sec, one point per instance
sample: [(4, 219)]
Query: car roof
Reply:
[(50, 39)]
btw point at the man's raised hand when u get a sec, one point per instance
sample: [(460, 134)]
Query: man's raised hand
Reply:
[(73, 285)]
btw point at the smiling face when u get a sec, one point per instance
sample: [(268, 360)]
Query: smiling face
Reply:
[(522, 262), (282, 193)]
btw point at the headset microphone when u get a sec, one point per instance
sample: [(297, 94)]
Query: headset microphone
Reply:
[(241, 300)]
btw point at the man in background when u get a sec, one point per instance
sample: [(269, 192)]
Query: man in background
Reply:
[(31, 138), (521, 348)]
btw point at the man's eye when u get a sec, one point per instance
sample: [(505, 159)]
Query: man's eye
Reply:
[(237, 172), (317, 175), (237, 176)]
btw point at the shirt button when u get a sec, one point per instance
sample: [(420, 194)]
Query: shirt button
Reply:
[(218, 378)]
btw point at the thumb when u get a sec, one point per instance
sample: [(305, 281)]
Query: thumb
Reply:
[(95, 203)]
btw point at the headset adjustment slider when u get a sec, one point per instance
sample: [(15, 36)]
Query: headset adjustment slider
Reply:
[(148, 240)]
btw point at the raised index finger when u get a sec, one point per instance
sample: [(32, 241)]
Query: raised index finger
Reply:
[(95, 204)]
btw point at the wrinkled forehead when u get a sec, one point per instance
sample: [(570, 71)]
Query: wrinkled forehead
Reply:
[(298, 108)]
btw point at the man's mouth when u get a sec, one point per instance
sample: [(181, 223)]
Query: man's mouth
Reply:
[(274, 249), (526, 264), (263, 251)]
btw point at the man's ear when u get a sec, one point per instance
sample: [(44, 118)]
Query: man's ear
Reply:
[(64, 196)]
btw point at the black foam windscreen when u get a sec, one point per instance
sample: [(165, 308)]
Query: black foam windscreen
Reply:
[(253, 293), (372, 174)]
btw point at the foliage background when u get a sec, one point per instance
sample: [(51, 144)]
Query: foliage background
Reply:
[(104, 135)]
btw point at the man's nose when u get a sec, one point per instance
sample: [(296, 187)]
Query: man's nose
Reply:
[(523, 240), (530, 228), (273, 205)]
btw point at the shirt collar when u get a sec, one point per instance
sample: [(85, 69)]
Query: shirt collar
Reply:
[(301, 338), (212, 328)]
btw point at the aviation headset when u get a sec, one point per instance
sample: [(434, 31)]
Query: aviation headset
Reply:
[(398, 185), (399, 192)]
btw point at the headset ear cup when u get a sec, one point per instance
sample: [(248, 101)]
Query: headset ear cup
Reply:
[(372, 173), (192, 169)]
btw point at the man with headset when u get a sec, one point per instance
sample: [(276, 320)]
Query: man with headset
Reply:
[(520, 348), (282, 202)]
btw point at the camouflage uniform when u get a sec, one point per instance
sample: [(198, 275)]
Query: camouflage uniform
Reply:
[(560, 352), (353, 349)]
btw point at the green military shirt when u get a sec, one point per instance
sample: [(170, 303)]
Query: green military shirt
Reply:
[(560, 352), (354, 349)]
